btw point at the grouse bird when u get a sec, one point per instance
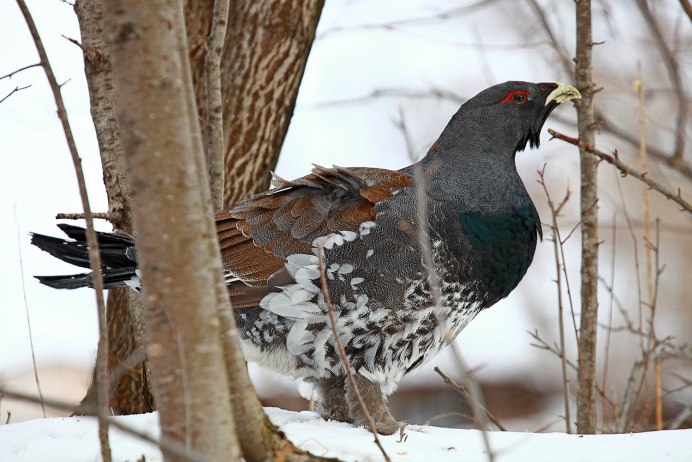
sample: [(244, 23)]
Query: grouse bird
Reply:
[(394, 308)]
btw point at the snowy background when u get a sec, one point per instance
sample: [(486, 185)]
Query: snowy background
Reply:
[(360, 76)]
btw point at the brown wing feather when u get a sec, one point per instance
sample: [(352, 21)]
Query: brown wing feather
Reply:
[(259, 233)]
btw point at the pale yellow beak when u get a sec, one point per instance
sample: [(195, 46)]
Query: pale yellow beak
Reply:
[(563, 92)]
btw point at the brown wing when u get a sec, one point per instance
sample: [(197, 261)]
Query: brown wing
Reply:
[(259, 233)]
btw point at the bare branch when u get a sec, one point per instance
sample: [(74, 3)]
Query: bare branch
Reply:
[(559, 263), (477, 401), (625, 169), (435, 18), (674, 75), (15, 90), (212, 86), (19, 70), (465, 393), (608, 124), (342, 352), (543, 345), (81, 216), (92, 242)]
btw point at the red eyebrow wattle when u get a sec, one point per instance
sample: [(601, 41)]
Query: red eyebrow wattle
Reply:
[(509, 96)]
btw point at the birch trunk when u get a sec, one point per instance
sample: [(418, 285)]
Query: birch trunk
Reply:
[(181, 279)]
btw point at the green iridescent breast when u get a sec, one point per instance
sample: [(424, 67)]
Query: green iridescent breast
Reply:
[(505, 244)]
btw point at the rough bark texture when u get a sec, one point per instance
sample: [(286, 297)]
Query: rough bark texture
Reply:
[(586, 397), (129, 392), (267, 46), (288, 45), (165, 163)]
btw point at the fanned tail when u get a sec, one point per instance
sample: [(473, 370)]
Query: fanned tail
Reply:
[(118, 258)]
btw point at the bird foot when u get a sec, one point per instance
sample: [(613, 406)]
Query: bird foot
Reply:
[(374, 402)]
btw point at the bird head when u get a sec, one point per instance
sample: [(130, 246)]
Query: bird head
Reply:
[(513, 113)]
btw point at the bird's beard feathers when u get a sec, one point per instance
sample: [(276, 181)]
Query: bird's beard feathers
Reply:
[(533, 136)]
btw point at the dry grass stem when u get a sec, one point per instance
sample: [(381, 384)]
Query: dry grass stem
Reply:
[(28, 318), (606, 353), (342, 352), (92, 242), (644, 166)]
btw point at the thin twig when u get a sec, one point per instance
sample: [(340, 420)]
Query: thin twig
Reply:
[(92, 242), (423, 235), (674, 75), (214, 100), (168, 446), (28, 318), (625, 169), (557, 244), (680, 419), (606, 353), (15, 90), (342, 352), (463, 391), (19, 70), (435, 18), (608, 124), (543, 345), (477, 401)]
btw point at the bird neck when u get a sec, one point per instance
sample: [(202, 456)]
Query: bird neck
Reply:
[(485, 182)]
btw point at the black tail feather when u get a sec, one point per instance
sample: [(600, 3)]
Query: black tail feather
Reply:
[(117, 251)]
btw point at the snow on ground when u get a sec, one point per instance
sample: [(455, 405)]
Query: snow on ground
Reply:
[(75, 440)]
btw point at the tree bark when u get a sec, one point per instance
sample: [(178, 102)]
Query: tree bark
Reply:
[(267, 47), (271, 38), (129, 393), (586, 396), (165, 165)]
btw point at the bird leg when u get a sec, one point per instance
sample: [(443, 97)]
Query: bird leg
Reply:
[(374, 401), (331, 400)]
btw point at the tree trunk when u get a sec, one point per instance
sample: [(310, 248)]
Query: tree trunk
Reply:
[(166, 168), (586, 396), (129, 393), (247, 45)]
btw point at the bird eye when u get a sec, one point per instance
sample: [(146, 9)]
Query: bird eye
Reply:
[(519, 98), (516, 96)]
